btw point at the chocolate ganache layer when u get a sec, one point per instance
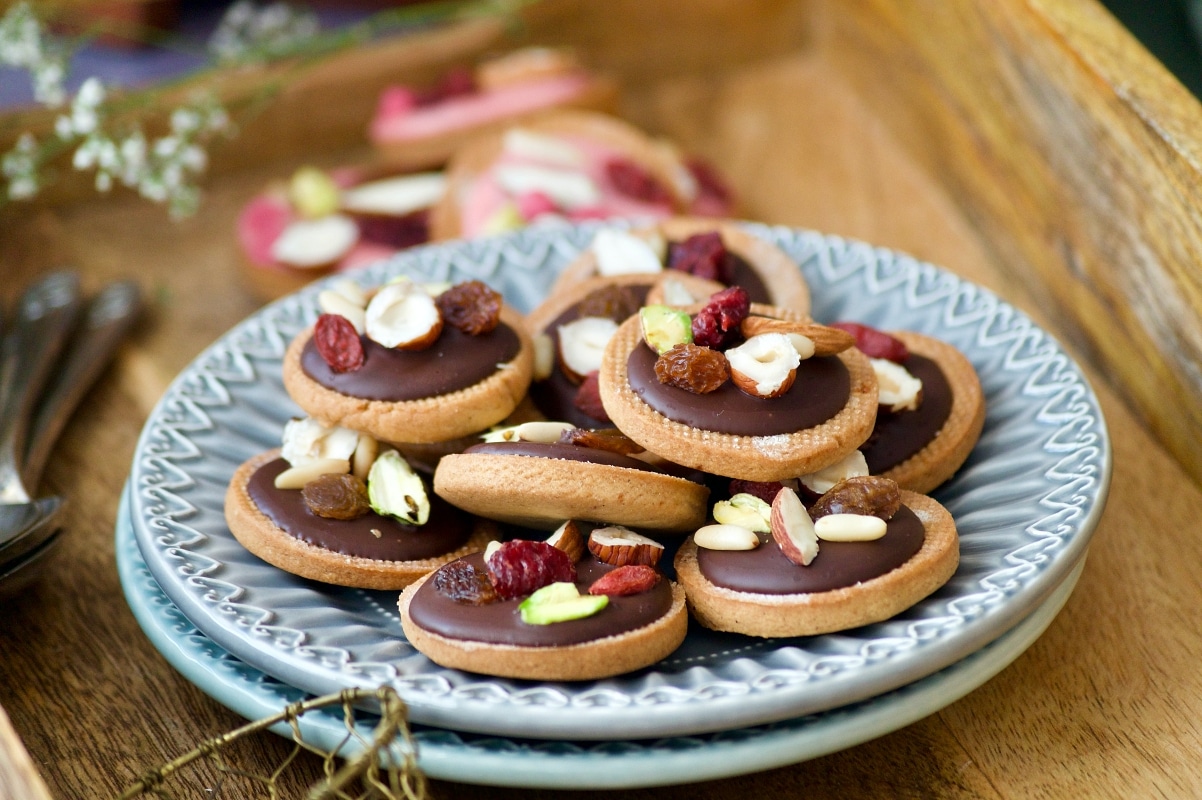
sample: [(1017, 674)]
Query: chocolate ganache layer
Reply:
[(501, 622), (447, 530), (765, 570), (455, 361), (819, 392), (569, 452), (898, 435)]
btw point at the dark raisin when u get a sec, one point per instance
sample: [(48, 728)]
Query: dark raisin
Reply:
[(521, 567), (472, 306), (875, 343), (465, 584), (867, 494), (634, 181), (717, 324), (764, 490), (703, 255), (610, 439), (588, 398), (695, 369), (335, 496), (338, 343), (612, 302)]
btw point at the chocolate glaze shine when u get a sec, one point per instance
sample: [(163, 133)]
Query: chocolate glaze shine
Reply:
[(568, 452), (819, 392), (447, 530), (455, 361), (765, 570), (501, 622), (899, 435)]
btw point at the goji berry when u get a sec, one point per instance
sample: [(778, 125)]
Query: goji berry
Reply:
[(627, 580)]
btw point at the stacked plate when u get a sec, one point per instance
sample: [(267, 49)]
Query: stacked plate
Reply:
[(1026, 503)]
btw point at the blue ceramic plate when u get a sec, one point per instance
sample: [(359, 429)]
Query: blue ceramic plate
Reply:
[(1026, 504), (498, 761)]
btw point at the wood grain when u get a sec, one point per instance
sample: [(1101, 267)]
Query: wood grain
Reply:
[(1104, 704)]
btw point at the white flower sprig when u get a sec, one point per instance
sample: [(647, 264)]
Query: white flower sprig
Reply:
[(249, 32), (24, 44)]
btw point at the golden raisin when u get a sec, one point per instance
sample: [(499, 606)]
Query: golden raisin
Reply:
[(472, 306), (693, 368), (870, 495), (335, 496)]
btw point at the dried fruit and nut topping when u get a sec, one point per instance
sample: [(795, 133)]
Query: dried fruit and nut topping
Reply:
[(332, 302), (540, 431), (612, 302), (336, 496), (568, 538), (588, 398), (559, 602), (625, 581), (521, 567), (620, 546), (663, 327), (818, 340), (622, 253), (338, 343), (765, 365), (746, 511), (472, 306), (403, 315), (875, 343), (305, 439), (850, 466), (582, 343), (703, 255), (726, 537), (693, 368), (465, 584), (395, 490), (897, 389), (717, 323), (870, 495), (792, 528), (633, 181), (850, 528), (610, 439), (764, 490)]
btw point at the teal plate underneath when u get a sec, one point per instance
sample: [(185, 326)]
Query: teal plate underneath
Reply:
[(500, 761)]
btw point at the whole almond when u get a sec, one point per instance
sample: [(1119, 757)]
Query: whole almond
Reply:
[(792, 528), (827, 341), (567, 537)]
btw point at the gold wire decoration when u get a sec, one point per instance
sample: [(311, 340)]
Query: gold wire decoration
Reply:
[(386, 767)]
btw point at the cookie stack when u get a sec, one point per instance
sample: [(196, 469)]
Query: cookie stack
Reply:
[(647, 415)]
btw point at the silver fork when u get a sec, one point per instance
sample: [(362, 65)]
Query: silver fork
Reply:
[(44, 317)]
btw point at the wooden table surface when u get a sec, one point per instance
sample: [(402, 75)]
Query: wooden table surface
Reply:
[(1105, 703)]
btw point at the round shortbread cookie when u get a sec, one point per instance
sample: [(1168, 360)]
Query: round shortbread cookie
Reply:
[(757, 458), (543, 492), (258, 534), (477, 157), (939, 460), (780, 615), (779, 273), (428, 419), (601, 658)]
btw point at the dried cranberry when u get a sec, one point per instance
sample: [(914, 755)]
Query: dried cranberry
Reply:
[(588, 398), (695, 369), (626, 580), (717, 325), (338, 343), (397, 232), (633, 181), (521, 567), (465, 584), (875, 343), (472, 306), (765, 490), (703, 255)]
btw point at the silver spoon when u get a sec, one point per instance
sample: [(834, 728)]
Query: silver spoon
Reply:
[(45, 315), (104, 324)]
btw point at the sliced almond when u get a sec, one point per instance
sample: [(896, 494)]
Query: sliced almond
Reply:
[(403, 315), (544, 356), (850, 528), (621, 546), (364, 456), (792, 528), (726, 537), (568, 538), (314, 243), (582, 343), (332, 302), (307, 440), (542, 432), (297, 477), (764, 365), (827, 341), (491, 548)]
